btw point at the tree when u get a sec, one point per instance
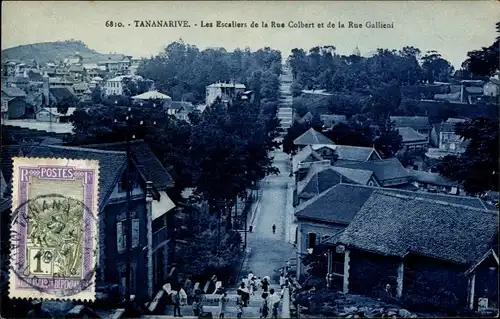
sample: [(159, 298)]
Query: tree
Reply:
[(353, 134), (477, 168), (96, 95), (293, 132), (388, 141), (435, 67), (484, 62)]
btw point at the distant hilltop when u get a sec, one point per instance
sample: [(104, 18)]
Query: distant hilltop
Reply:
[(53, 52)]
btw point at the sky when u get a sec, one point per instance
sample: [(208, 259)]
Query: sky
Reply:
[(450, 27)]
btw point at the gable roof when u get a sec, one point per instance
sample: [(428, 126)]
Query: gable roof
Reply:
[(385, 169), (111, 164), (13, 92), (358, 176), (410, 135), (303, 155), (146, 162), (345, 198), (354, 153), (306, 118), (177, 105), (322, 180), (339, 204), (415, 122), (312, 137), (395, 225)]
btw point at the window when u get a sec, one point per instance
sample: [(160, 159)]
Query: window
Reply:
[(311, 240), (135, 232), (121, 239)]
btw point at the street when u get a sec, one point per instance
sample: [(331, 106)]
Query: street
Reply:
[(267, 252)]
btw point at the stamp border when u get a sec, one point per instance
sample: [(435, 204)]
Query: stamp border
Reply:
[(89, 293)]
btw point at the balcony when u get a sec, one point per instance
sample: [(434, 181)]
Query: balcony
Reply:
[(160, 237)]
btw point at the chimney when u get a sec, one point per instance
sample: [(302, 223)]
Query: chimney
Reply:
[(46, 89)]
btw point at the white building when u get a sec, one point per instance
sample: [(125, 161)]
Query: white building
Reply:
[(117, 85), (225, 91)]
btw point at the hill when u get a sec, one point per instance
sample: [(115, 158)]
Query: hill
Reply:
[(51, 52)]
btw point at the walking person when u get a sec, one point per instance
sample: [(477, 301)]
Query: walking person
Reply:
[(265, 284), (239, 307), (197, 307), (264, 310), (244, 293), (282, 280), (176, 298), (274, 303), (222, 305), (274, 229)]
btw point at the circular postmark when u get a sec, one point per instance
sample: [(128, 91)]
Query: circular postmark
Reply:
[(52, 245)]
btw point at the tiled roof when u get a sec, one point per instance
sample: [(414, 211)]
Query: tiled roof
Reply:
[(111, 164), (415, 122), (147, 163), (354, 153), (322, 180), (152, 95), (35, 76), (306, 118), (13, 92), (430, 178), (448, 97), (383, 170), (80, 86), (60, 94), (338, 204), (395, 225), (345, 198), (358, 176), (312, 137), (76, 68), (410, 135)]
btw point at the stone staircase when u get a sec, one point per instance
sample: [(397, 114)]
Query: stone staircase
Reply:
[(285, 111)]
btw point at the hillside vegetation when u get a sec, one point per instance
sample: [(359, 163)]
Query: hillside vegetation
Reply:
[(51, 52)]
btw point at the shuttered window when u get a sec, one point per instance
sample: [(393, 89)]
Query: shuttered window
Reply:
[(121, 242), (135, 232)]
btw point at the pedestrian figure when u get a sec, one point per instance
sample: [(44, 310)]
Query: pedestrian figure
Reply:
[(177, 304), (274, 229), (197, 307), (222, 305), (265, 284), (264, 310), (239, 307), (274, 303), (258, 283), (244, 293), (282, 280)]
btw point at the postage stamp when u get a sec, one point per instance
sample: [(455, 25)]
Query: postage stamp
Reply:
[(53, 237)]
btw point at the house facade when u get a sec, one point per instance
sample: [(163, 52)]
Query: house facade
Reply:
[(492, 87), (416, 248), (147, 243), (449, 141), (224, 91), (14, 105), (50, 114), (413, 140)]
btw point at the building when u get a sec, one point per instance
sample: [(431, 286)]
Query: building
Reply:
[(51, 114), (14, 105), (151, 96), (446, 139), (151, 168), (179, 109), (349, 154), (492, 87), (311, 137), (418, 123), (148, 206), (80, 88), (412, 140), (419, 247), (77, 71), (224, 91), (118, 84), (326, 215), (388, 172), (433, 182)]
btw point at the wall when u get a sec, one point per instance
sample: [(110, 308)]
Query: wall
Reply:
[(17, 108), (369, 273), (395, 181), (320, 229), (114, 260), (434, 283), (44, 116)]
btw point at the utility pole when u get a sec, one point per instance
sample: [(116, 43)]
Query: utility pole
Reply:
[(129, 206)]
